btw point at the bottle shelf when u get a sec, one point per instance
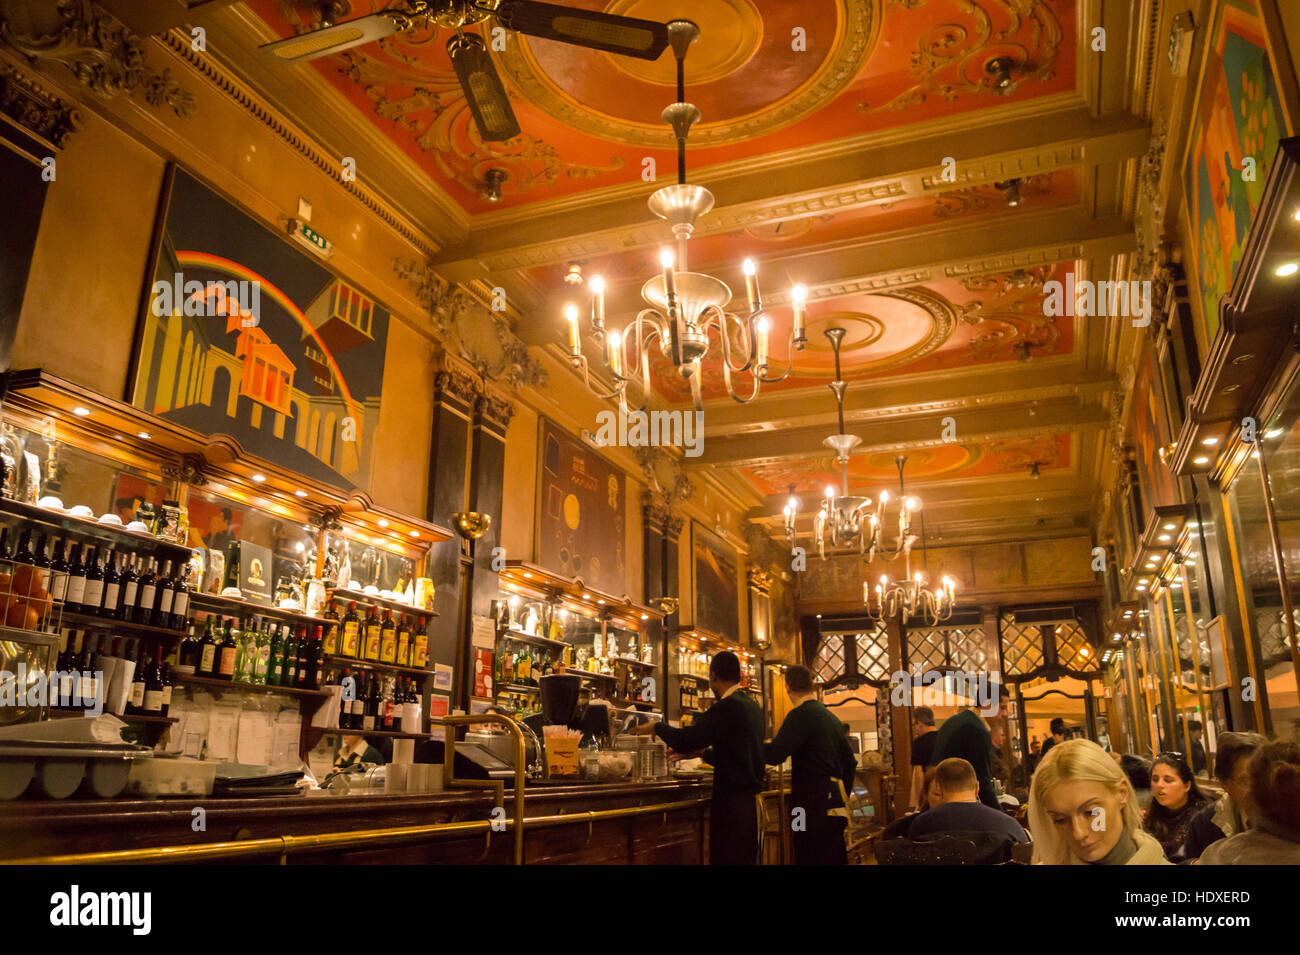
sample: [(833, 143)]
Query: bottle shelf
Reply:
[(375, 665), (90, 528), (251, 687), (395, 734), (588, 675), (85, 621), (239, 607), (374, 600), (64, 714)]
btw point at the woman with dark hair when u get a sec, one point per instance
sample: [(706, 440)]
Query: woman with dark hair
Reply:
[(1228, 814), (1274, 836), (1175, 801)]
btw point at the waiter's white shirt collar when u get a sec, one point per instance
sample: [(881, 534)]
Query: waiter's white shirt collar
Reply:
[(734, 688)]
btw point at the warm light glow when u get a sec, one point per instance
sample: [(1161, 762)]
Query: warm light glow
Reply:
[(1286, 269), (666, 258), (749, 267), (597, 284), (1209, 442), (830, 491), (143, 434), (1170, 527), (259, 478), (528, 575), (80, 411), (884, 497), (1201, 460), (799, 294), (913, 504), (616, 353), (300, 493), (1165, 537), (383, 522), (415, 533)]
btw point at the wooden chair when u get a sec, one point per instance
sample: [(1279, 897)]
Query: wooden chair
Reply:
[(967, 848), (860, 833)]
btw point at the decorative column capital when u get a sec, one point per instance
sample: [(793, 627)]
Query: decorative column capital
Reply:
[(34, 108)]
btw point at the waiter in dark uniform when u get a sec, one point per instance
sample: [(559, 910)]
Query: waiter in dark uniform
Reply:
[(730, 734), (813, 738)]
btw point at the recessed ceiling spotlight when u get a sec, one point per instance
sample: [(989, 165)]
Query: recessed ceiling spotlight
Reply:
[(143, 434), (1165, 537), (574, 275), (490, 191), (1201, 460), (300, 493), (1286, 269), (1209, 442), (999, 70), (259, 478), (80, 412)]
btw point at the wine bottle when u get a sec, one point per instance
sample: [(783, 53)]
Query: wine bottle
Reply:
[(112, 587), (135, 704), (91, 691), (147, 594), (42, 561), (345, 705), (23, 554), (351, 631), (92, 600), (317, 663), (275, 662), (226, 668), (420, 647), (163, 594), (190, 652), (302, 655), (207, 651), (231, 577), (129, 589), (165, 675), (59, 573), (153, 689), (76, 581), (180, 599), (371, 711), (403, 658), (389, 703), (289, 672)]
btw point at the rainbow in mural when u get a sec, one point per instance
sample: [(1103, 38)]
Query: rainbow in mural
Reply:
[(246, 336)]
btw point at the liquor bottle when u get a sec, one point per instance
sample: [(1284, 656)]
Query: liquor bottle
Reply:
[(135, 702), (507, 664), (92, 600), (180, 599), (42, 561), (76, 581), (163, 596), (389, 704), (302, 656), (6, 549), (420, 648), (351, 631), (316, 661), (330, 643), (146, 594), (112, 587), (262, 659), (129, 589), (524, 667), (190, 651), (23, 554), (231, 576), (371, 712), (207, 651), (403, 658), (153, 689), (387, 639), (59, 573), (289, 672), (345, 705), (229, 649), (167, 686), (373, 628), (275, 661)]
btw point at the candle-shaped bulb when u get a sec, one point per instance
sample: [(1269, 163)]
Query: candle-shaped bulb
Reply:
[(598, 301), (670, 282), (799, 298), (575, 345), (913, 503), (883, 580), (884, 497), (616, 353), (762, 326), (751, 286)]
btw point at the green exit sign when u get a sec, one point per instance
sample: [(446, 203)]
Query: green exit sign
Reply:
[(313, 240)]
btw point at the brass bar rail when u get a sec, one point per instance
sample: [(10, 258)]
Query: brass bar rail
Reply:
[(284, 845), (496, 785)]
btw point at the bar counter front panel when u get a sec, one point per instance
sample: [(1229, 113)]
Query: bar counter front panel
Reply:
[(640, 834)]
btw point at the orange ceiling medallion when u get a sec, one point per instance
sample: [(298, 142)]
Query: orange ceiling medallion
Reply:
[(758, 75), (901, 326)]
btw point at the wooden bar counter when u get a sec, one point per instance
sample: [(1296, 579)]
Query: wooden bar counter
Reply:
[(451, 827)]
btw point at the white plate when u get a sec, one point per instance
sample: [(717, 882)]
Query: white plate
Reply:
[(110, 519), (53, 503), (140, 527), (81, 511)]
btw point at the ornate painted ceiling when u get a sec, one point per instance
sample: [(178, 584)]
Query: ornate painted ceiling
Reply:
[(825, 133)]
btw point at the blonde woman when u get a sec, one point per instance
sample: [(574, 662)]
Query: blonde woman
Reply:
[(1082, 811)]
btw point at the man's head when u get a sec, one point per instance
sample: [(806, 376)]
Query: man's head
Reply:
[(798, 681), (1196, 728), (922, 720), (1230, 765), (724, 672), (1058, 728), (956, 781)]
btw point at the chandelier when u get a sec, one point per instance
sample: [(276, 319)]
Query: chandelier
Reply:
[(685, 307), (911, 596), (843, 519)]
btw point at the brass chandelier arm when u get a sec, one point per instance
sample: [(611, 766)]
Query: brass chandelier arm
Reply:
[(580, 362)]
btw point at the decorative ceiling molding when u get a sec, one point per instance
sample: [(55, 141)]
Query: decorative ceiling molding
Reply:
[(36, 109), (482, 335), (861, 24), (103, 56)]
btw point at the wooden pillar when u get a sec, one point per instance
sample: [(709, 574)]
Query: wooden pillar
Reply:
[(659, 579), (454, 394), (900, 723)]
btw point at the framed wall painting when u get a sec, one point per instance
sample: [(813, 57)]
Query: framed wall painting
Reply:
[(1243, 107), (581, 512), (714, 584), (245, 335)]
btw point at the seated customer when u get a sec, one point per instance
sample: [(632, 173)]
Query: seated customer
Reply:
[(1082, 811), (930, 797), (1228, 814), (960, 809), (1175, 801), (1274, 836)]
